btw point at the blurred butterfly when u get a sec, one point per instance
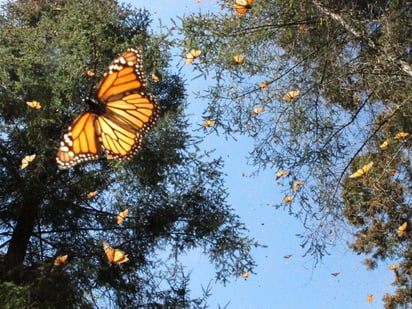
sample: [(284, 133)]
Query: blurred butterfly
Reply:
[(369, 298), (155, 78), (34, 104), (264, 85), (89, 73), (402, 229), (291, 95), (61, 259), (281, 174), (91, 194), (114, 256), (246, 275), (117, 121), (242, 6), (208, 123), (192, 55), (288, 199), (393, 267), (362, 171), (384, 145), (335, 274), (257, 111), (238, 59), (122, 216), (288, 256), (26, 161), (296, 185), (401, 135)]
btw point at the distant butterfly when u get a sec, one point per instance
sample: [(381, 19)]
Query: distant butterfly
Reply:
[(114, 256), (25, 162), (291, 95), (238, 59), (288, 256), (264, 85), (281, 174), (402, 229), (34, 104), (246, 275), (369, 298), (89, 73), (91, 194), (335, 274), (242, 6), (122, 216), (208, 123), (192, 55), (384, 145), (257, 111), (393, 267), (362, 171), (288, 199), (155, 78), (117, 121), (296, 185), (61, 259), (401, 135)]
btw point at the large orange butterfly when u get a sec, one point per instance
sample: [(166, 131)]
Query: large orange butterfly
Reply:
[(117, 121), (115, 256)]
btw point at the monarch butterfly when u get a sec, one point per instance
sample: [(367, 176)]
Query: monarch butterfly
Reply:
[(335, 274), (238, 59), (242, 6), (362, 171), (257, 111), (287, 256), (296, 185), (26, 161), (209, 123), (369, 298), (34, 104), (122, 216), (192, 55), (402, 229), (288, 199), (290, 95), (281, 174), (61, 259), (264, 85), (393, 267), (246, 274), (385, 144), (91, 194), (401, 135), (117, 121), (114, 256)]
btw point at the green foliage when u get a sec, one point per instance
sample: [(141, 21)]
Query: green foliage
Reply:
[(351, 62), (174, 193)]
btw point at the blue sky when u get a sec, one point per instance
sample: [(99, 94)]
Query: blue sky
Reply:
[(277, 282)]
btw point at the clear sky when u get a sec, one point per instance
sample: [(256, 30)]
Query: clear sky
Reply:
[(277, 282)]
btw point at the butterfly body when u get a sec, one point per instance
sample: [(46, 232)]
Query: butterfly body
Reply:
[(117, 120)]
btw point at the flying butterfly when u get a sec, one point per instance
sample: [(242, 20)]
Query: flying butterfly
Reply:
[(393, 267), (290, 95), (91, 194), (34, 104), (192, 55), (246, 274), (122, 216), (401, 135), (25, 162), (402, 229), (238, 59), (288, 199), (362, 171), (61, 259), (257, 111), (117, 121), (369, 298), (281, 174), (114, 256), (296, 185), (242, 6), (208, 123)]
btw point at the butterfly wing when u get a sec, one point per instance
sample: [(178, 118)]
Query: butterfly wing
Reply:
[(80, 143)]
